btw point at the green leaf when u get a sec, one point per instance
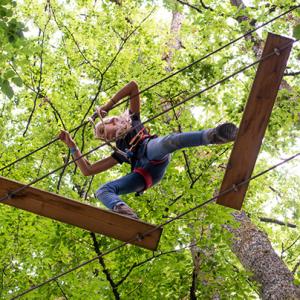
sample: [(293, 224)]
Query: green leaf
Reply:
[(6, 89), (17, 81), (9, 74), (296, 32), (4, 2)]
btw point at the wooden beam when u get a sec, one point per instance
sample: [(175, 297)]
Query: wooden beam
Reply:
[(255, 120), (79, 214)]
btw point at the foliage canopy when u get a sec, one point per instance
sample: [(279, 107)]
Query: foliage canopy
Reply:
[(78, 54)]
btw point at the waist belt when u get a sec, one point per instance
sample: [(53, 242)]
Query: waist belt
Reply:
[(146, 174)]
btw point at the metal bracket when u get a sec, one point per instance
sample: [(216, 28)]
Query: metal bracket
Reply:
[(8, 196), (139, 237), (277, 51), (235, 188)]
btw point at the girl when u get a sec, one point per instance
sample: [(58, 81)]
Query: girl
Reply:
[(147, 154)]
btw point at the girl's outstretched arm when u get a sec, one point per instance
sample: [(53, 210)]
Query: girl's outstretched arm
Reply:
[(84, 165), (129, 90)]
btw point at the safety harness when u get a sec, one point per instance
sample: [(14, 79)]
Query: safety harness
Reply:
[(134, 143)]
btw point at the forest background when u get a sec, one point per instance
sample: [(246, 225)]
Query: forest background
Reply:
[(78, 54)]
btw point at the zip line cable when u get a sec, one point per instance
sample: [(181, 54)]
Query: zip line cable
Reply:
[(158, 82), (274, 52), (233, 188), (209, 54)]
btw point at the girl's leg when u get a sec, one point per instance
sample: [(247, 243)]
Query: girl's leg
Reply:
[(108, 193), (159, 147)]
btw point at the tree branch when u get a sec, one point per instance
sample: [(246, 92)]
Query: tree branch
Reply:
[(275, 191), (62, 291), (40, 80), (205, 6), (136, 265), (208, 165), (289, 247), (190, 5), (125, 40), (195, 7), (187, 164), (105, 270), (74, 40), (296, 267), (292, 73), (195, 252), (274, 221)]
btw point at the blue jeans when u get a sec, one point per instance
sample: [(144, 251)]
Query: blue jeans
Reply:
[(154, 149)]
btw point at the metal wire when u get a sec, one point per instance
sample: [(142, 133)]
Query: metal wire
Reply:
[(15, 192), (145, 234), (160, 81), (171, 220), (233, 188)]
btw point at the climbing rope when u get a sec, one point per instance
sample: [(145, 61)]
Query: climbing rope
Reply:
[(160, 81), (274, 52), (145, 234)]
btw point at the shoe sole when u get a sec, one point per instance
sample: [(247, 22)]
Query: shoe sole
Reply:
[(227, 131)]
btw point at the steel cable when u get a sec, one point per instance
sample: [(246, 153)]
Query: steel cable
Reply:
[(233, 188), (158, 82)]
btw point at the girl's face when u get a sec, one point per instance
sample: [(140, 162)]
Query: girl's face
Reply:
[(110, 130)]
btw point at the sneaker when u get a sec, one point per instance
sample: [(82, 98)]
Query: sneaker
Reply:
[(123, 209), (223, 133)]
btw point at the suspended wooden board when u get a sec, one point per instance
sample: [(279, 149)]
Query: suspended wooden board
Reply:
[(79, 214), (255, 120)]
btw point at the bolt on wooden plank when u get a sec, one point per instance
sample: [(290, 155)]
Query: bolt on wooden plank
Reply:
[(81, 215), (255, 119)]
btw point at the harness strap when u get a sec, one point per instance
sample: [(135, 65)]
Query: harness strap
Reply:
[(146, 175), (138, 138), (158, 162)]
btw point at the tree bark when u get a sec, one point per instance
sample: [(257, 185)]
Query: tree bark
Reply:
[(255, 252), (257, 43), (175, 42), (196, 256)]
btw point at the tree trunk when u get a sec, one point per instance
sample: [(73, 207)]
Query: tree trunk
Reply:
[(256, 254), (196, 256), (172, 45), (257, 43), (174, 42)]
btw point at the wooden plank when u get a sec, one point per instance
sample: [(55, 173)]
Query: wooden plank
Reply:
[(255, 120), (79, 214)]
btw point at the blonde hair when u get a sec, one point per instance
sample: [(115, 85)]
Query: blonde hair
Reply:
[(123, 124)]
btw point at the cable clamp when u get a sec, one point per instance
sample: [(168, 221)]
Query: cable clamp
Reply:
[(235, 188), (277, 51), (10, 195), (139, 237)]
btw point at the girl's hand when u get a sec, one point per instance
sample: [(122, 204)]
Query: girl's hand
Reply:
[(65, 137), (102, 111)]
